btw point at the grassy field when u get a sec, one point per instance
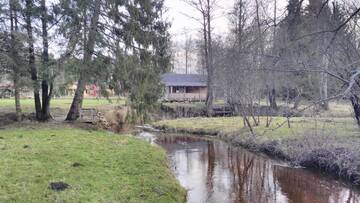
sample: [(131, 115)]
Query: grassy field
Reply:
[(278, 128), (98, 167), (337, 108), (62, 103)]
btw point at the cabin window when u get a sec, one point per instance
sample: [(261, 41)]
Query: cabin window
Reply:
[(179, 89)]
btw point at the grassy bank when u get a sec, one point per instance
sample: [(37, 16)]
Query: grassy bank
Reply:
[(331, 145), (338, 109), (97, 167)]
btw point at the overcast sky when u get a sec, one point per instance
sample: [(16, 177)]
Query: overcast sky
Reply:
[(182, 24)]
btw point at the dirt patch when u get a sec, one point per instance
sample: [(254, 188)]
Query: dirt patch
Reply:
[(26, 147), (76, 165), (7, 119), (58, 186)]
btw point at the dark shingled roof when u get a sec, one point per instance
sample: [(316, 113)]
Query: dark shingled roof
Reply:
[(185, 80)]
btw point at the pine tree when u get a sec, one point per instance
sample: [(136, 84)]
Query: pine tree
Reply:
[(90, 35)]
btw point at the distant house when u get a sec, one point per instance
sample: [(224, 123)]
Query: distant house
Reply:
[(91, 90), (184, 87), (6, 89)]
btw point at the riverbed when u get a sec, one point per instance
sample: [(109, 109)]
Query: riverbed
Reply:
[(214, 171)]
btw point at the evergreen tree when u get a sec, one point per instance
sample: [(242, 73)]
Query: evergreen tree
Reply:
[(145, 57), (127, 49), (12, 49)]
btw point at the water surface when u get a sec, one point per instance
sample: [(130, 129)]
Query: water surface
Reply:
[(214, 171)]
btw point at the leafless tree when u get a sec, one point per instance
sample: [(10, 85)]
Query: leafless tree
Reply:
[(206, 10), (311, 53)]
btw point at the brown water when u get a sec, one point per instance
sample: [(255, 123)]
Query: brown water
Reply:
[(213, 171)]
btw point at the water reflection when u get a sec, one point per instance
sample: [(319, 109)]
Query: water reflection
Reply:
[(213, 171)]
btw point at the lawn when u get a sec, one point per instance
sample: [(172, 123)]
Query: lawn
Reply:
[(98, 167), (62, 103)]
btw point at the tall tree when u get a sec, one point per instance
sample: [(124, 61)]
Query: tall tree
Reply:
[(188, 48), (14, 32), (90, 32), (206, 9), (46, 84), (318, 19), (29, 12), (146, 55)]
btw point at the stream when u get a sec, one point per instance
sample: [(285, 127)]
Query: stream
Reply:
[(216, 172)]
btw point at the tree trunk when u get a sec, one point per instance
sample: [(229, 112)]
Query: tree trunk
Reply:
[(186, 58), (272, 99), (210, 70), (46, 98), (17, 100), (32, 66), (297, 102), (355, 101), (324, 85), (89, 46), (74, 112), (45, 86), (14, 55)]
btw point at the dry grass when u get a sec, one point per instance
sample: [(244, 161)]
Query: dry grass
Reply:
[(278, 128)]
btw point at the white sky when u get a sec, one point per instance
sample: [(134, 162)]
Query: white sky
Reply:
[(182, 24)]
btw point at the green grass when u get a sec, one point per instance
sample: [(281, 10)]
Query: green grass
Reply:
[(198, 105), (62, 103), (278, 128), (113, 168)]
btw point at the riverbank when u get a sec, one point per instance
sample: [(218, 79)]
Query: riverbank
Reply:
[(328, 145), (52, 163), (113, 112)]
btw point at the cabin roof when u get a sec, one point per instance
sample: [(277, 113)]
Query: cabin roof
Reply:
[(184, 80)]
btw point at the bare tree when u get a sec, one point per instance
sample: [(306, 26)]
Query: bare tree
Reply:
[(206, 9), (188, 48)]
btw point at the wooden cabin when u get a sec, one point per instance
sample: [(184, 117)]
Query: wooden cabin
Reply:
[(184, 87)]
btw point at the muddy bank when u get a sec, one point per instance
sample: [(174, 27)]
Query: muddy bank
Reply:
[(335, 155)]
